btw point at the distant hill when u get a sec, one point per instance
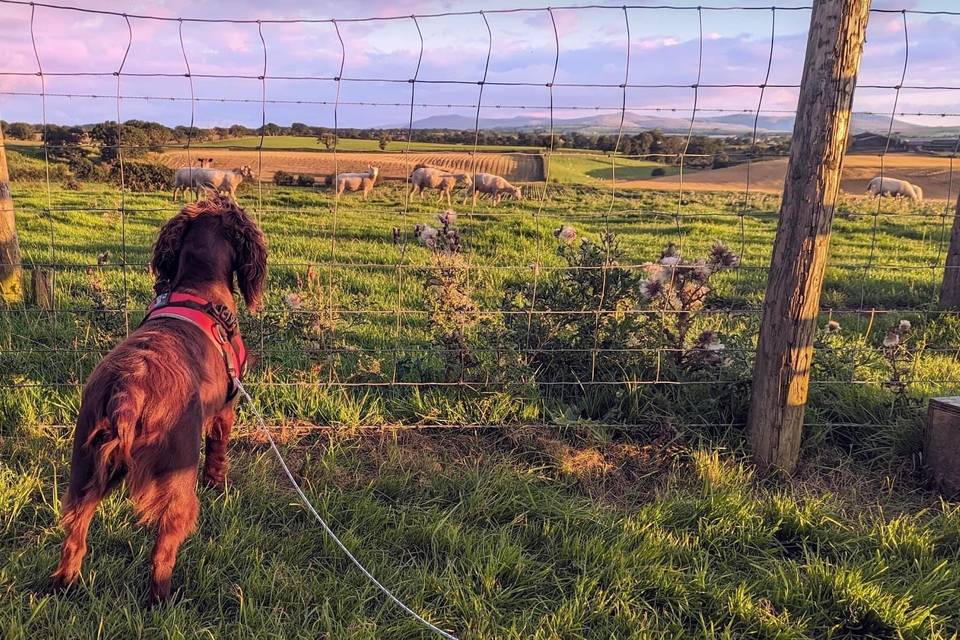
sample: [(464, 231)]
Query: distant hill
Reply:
[(728, 125)]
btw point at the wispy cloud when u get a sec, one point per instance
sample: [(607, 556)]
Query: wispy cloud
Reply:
[(590, 47)]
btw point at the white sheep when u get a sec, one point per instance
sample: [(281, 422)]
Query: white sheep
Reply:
[(424, 177), (216, 180), (894, 187), (357, 181), (495, 186)]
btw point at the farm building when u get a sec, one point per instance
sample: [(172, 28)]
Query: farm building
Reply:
[(869, 142)]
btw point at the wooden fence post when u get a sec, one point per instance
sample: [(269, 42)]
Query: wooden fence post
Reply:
[(11, 273), (950, 288), (781, 373)]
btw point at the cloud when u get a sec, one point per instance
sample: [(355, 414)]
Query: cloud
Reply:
[(664, 50)]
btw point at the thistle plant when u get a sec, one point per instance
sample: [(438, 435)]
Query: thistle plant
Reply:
[(678, 289)]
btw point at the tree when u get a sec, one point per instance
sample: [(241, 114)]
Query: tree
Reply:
[(64, 143), (328, 140), (383, 141), (19, 131), (272, 129), (300, 129), (135, 140)]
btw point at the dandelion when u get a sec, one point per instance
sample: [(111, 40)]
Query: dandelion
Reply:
[(891, 340), (833, 327), (904, 326), (565, 233), (293, 300)]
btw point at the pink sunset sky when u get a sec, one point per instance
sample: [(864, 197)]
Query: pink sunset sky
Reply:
[(664, 47)]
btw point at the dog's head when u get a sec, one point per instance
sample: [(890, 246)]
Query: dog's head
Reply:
[(212, 238)]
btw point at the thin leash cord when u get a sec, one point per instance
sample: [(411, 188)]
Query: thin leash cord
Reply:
[(306, 502)]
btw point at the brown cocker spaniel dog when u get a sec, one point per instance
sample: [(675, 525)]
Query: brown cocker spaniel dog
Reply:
[(147, 404)]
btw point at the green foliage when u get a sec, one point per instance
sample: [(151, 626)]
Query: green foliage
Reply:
[(305, 180), (284, 179), (23, 168), (19, 131), (143, 176)]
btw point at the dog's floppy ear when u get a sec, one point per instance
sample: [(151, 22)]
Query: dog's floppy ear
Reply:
[(166, 250), (249, 251)]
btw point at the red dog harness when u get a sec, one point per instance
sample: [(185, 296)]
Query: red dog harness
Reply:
[(216, 321)]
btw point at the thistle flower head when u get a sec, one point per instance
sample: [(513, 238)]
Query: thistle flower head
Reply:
[(669, 251), (293, 300), (701, 271), (722, 256), (651, 288), (565, 233), (891, 340), (833, 327), (904, 326)]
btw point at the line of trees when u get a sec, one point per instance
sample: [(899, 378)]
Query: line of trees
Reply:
[(68, 143)]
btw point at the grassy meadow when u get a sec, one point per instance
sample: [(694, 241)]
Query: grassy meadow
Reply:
[(616, 504)]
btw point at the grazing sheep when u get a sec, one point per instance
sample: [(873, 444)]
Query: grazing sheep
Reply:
[(201, 179), (426, 235), (495, 186), (231, 180), (357, 181), (894, 187), (566, 234), (426, 177)]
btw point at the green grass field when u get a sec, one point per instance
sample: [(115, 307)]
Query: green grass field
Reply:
[(571, 169), (623, 511)]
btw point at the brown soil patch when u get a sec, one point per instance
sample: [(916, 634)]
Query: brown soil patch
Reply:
[(933, 174), (517, 167)]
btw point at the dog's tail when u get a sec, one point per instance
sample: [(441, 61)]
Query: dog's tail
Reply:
[(115, 432)]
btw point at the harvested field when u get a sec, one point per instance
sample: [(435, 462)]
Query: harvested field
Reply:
[(932, 173), (521, 167)]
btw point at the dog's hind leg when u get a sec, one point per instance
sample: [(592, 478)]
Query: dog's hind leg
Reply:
[(164, 490), (83, 495), (177, 520)]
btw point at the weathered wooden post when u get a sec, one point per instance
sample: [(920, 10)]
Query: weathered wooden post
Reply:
[(950, 287), (11, 273), (781, 374)]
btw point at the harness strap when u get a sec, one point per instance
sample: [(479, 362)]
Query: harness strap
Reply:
[(216, 322)]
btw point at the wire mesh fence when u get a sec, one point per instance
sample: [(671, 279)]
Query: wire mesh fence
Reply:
[(611, 299)]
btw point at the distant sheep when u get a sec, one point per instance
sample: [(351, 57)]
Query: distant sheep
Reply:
[(204, 179), (357, 181), (495, 186), (425, 177), (894, 187)]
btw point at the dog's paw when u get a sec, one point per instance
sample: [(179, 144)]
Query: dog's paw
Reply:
[(214, 481)]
